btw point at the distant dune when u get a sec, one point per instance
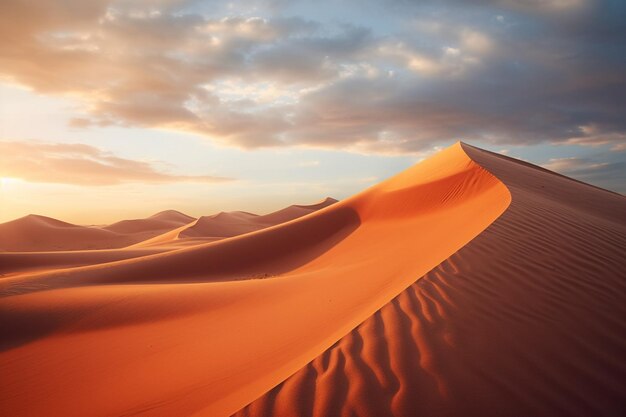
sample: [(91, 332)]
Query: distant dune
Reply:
[(470, 284), (164, 220), (34, 233), (68, 245), (229, 224), (38, 233), (239, 222)]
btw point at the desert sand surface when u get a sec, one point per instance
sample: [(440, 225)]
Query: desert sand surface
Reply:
[(41, 233), (228, 224), (39, 243), (469, 284), (528, 319), (34, 233), (164, 220)]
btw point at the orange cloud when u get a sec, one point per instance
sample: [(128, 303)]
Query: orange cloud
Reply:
[(81, 165)]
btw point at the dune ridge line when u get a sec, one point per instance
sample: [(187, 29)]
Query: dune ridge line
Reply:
[(195, 332), (526, 319)]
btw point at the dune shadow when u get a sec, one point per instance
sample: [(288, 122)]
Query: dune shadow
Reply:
[(265, 254)]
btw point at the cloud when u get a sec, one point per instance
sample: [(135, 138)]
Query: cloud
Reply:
[(81, 164), (593, 135), (572, 164), (547, 72), (610, 174)]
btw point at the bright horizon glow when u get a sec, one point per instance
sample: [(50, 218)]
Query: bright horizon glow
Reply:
[(7, 180), (120, 110)]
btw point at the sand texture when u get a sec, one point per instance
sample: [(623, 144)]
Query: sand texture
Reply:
[(469, 284), (528, 319)]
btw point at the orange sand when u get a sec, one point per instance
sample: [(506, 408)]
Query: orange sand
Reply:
[(39, 233), (469, 285), (203, 330), (64, 243), (527, 319), (224, 225)]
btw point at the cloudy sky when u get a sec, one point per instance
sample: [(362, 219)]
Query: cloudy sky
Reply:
[(116, 109)]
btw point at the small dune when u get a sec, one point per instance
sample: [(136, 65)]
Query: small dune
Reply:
[(40, 233), (162, 221), (34, 233), (228, 224)]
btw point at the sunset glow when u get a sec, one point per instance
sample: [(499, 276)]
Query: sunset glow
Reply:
[(104, 95), (312, 208)]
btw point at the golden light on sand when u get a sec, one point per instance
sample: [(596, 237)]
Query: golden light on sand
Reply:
[(465, 258)]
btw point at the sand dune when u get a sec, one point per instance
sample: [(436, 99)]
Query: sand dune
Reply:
[(326, 314), (235, 223), (292, 212), (61, 250), (39, 233), (74, 333), (35, 233), (527, 319), (164, 220), (229, 224), (20, 262), (222, 225)]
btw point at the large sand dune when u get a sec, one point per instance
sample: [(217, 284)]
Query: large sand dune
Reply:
[(326, 314), (527, 319)]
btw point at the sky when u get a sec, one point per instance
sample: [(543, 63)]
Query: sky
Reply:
[(116, 109)]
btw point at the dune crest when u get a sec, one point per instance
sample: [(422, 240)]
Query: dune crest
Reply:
[(246, 311), (35, 233), (235, 223), (162, 221), (229, 224), (526, 319)]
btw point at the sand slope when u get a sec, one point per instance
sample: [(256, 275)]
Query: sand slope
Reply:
[(34, 233), (292, 212), (38, 233), (228, 224), (164, 220), (194, 331), (181, 231), (528, 319), (13, 263)]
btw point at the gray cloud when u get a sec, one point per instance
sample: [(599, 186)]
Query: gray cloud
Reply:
[(506, 72)]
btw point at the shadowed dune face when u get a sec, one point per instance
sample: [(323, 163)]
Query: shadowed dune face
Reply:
[(224, 225), (12, 263), (180, 231), (165, 220), (264, 254), (184, 333), (231, 224), (526, 319)]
